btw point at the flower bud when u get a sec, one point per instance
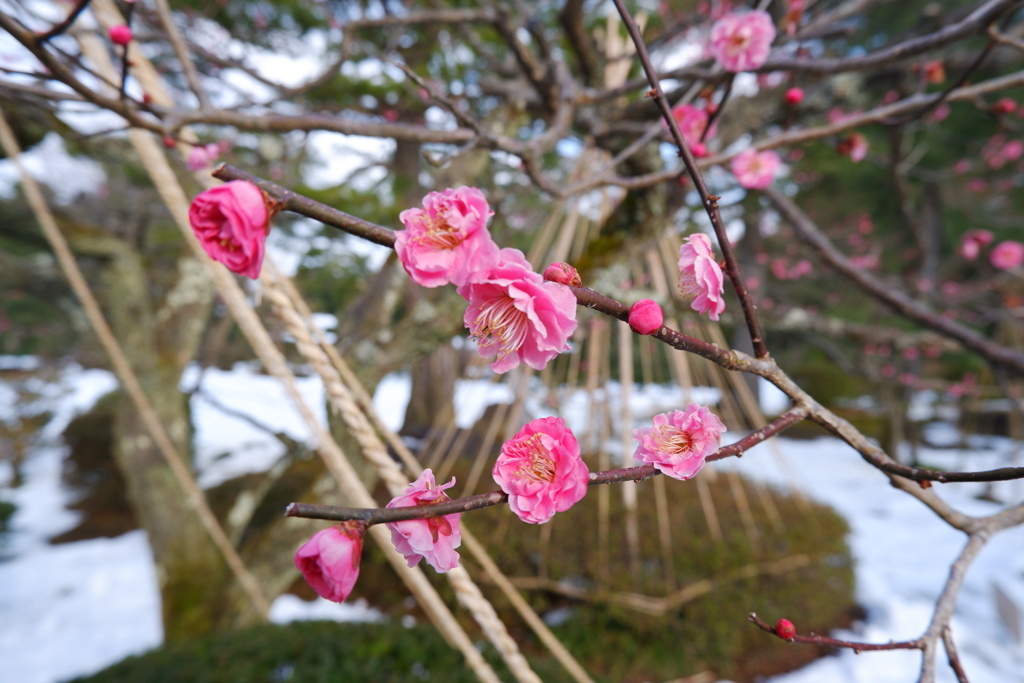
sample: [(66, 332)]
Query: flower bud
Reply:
[(563, 274), (645, 317), (794, 96), (330, 560), (120, 34), (784, 629)]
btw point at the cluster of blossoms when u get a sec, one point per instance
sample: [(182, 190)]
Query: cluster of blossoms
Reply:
[(330, 560), (1006, 255), (540, 469), (514, 314)]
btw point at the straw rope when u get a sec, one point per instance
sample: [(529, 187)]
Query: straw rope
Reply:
[(127, 377), (159, 169)]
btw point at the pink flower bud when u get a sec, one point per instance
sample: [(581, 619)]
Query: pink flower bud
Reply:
[(645, 317), (120, 34), (563, 274), (794, 96), (231, 223), (784, 629), (330, 560)]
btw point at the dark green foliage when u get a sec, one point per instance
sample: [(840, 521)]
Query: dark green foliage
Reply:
[(310, 652)]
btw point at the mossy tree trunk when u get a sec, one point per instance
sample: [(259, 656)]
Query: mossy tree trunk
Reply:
[(158, 313)]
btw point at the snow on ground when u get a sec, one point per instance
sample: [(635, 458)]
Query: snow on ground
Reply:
[(75, 608)]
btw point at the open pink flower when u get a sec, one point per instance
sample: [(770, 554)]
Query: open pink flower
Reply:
[(742, 41), (973, 241), (435, 539), (1007, 255), (541, 470), (755, 170), (691, 121), (679, 442), (231, 222), (447, 241), (517, 316), (330, 560), (700, 278)]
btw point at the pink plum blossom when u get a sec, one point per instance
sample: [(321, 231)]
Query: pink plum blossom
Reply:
[(330, 560), (541, 470), (1007, 255), (646, 317), (447, 241), (755, 170), (517, 316), (231, 222), (700, 277), (973, 241), (434, 539), (742, 41), (692, 121), (202, 156), (679, 442)]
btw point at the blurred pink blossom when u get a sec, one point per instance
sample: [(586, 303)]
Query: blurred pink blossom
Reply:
[(447, 241), (755, 170), (435, 539), (202, 156), (517, 316), (973, 241), (1007, 255), (692, 121), (541, 470), (679, 442), (742, 41), (700, 277)]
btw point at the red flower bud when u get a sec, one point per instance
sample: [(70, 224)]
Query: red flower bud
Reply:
[(1005, 105), (563, 274), (170, 142), (784, 629), (794, 96), (120, 34)]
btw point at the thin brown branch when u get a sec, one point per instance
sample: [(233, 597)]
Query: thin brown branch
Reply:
[(975, 22), (66, 24), (709, 201), (889, 294), (814, 639)]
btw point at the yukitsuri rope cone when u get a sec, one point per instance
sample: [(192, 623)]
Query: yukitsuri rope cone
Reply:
[(342, 401), (127, 377), (413, 469), (159, 169)]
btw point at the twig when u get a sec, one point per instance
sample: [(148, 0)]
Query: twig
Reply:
[(66, 24), (709, 201), (814, 639)]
